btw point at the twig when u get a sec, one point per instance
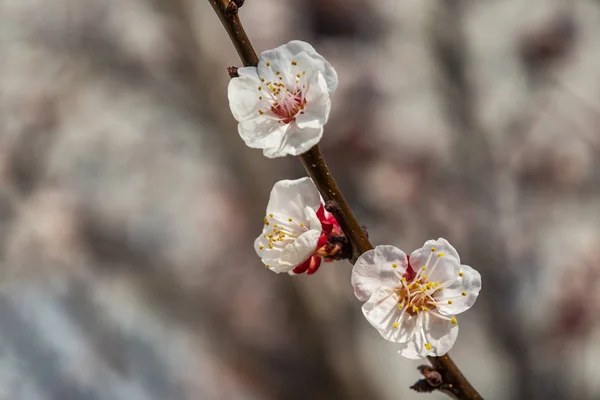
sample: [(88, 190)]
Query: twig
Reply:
[(319, 173), (236, 32), (453, 382)]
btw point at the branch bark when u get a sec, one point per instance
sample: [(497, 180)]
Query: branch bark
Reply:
[(453, 383)]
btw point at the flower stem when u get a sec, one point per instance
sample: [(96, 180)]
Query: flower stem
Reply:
[(454, 383)]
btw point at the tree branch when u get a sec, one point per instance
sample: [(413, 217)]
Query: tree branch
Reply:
[(453, 382), (319, 173)]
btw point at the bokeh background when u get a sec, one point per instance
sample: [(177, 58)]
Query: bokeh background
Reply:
[(128, 203)]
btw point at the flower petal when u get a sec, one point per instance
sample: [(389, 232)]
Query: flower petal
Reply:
[(308, 60), (382, 309), (291, 197), (318, 104), (270, 257), (262, 132), (311, 218), (439, 251), (300, 249), (297, 141), (393, 323), (469, 284), (375, 269), (440, 334), (243, 94)]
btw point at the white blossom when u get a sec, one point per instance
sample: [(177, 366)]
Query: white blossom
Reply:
[(282, 104), (414, 300), (296, 227)]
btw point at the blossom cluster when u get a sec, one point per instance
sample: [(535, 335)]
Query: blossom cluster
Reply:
[(281, 106)]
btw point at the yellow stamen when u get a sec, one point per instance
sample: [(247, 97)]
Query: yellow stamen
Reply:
[(453, 320)]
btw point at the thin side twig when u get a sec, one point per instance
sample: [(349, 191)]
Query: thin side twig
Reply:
[(453, 382)]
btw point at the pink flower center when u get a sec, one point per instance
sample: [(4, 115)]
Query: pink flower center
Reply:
[(283, 98), (286, 109)]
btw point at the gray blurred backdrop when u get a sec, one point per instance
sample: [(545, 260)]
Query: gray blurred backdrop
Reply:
[(128, 203)]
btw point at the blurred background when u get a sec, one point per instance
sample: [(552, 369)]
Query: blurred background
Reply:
[(128, 203)]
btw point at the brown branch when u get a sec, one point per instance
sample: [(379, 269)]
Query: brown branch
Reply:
[(453, 382), (234, 28), (319, 173)]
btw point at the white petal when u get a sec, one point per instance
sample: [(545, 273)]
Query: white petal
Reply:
[(374, 269), (421, 255), (469, 283), (271, 257), (441, 334), (318, 104), (430, 251), (381, 310), (318, 63), (409, 350), (308, 60), (300, 249), (291, 197), (261, 132), (297, 46), (297, 141), (312, 221), (243, 94), (447, 269)]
